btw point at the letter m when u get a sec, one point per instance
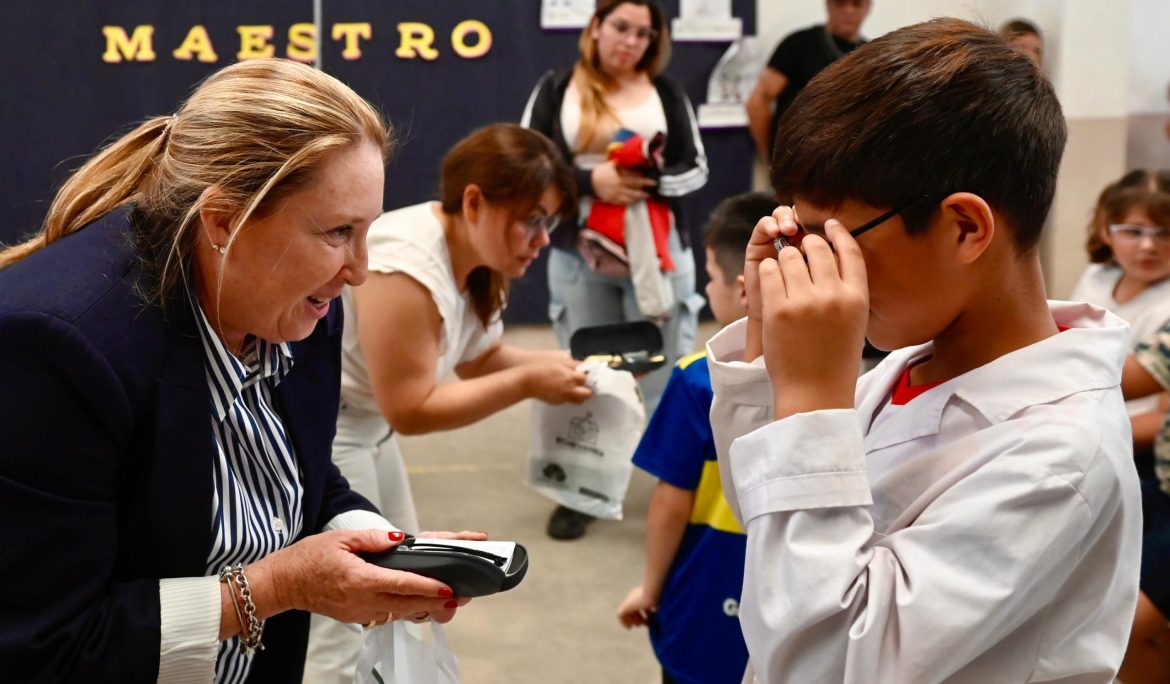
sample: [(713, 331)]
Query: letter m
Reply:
[(137, 47)]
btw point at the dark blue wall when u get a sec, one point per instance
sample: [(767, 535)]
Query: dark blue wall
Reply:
[(61, 101)]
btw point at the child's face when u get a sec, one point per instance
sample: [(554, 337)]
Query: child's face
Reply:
[(915, 291), (728, 300), (1142, 256)]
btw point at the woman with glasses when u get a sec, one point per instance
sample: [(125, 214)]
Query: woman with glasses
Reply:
[(616, 93), (438, 283)]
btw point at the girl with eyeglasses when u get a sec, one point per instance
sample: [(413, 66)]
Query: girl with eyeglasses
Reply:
[(1128, 244), (438, 284), (616, 89)]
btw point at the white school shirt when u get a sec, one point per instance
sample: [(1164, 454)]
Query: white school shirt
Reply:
[(1145, 313), (988, 532)]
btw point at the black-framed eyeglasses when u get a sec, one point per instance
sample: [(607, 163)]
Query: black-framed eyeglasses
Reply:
[(819, 229), (538, 222)]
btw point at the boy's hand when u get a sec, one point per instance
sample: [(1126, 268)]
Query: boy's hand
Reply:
[(635, 610), (761, 247), (814, 319)]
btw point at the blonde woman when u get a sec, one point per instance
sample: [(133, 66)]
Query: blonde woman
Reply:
[(618, 84), (171, 361)]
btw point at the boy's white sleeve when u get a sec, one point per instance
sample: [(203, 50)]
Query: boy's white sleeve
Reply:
[(743, 398), (827, 599)]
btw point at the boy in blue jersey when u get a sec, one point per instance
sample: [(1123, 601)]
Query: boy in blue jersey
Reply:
[(689, 597)]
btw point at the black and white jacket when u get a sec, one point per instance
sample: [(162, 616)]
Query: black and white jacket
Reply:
[(684, 160)]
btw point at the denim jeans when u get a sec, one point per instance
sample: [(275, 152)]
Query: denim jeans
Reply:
[(579, 297)]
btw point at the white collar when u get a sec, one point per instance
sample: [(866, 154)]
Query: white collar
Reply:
[(1091, 352)]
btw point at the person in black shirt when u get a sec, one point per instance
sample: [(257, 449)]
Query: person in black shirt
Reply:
[(799, 57)]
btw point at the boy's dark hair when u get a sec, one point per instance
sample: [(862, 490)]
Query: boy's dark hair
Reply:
[(930, 109), (730, 228)]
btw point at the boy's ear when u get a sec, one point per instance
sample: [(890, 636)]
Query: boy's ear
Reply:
[(741, 292), (972, 223), (473, 201)]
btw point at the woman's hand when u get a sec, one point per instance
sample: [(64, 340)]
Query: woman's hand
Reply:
[(619, 186), (557, 381), (321, 574), (636, 608)]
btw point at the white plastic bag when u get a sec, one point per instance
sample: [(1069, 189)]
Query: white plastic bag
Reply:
[(404, 652), (579, 455)]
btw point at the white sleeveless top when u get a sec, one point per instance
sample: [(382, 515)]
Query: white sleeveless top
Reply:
[(411, 241)]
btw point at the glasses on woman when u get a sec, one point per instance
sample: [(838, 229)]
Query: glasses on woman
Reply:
[(644, 34), (1130, 232), (538, 222)]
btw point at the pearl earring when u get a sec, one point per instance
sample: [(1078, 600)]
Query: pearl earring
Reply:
[(218, 248)]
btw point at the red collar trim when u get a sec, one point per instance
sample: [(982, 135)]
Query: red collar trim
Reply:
[(904, 392)]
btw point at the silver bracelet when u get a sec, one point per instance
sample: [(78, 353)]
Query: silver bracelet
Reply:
[(253, 628), (225, 578)]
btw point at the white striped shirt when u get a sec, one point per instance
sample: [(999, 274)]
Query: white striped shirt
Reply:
[(256, 508)]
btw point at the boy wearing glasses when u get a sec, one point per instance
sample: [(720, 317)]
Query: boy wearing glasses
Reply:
[(968, 510)]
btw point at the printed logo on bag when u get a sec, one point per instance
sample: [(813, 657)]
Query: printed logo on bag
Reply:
[(583, 429), (582, 435)]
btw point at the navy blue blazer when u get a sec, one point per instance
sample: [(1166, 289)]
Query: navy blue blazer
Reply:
[(106, 463)]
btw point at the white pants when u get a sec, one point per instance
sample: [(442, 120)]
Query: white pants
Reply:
[(367, 455)]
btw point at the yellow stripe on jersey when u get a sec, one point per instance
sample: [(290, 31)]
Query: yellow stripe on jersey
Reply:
[(689, 359), (711, 508)]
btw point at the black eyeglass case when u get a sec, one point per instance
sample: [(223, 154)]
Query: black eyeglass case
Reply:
[(634, 346), (465, 566)]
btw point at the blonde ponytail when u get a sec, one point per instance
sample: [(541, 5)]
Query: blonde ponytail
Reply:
[(107, 181), (256, 131)]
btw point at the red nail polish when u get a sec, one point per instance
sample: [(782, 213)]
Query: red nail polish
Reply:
[(451, 604), (444, 592), (395, 536)]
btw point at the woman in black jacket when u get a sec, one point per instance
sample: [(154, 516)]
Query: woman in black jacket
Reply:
[(612, 106)]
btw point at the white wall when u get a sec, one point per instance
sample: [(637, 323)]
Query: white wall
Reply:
[(777, 18), (1149, 51)]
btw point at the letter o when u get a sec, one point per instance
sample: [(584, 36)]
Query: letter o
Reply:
[(459, 39)]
